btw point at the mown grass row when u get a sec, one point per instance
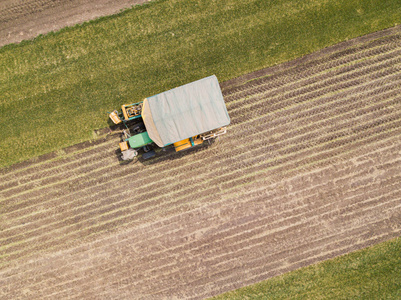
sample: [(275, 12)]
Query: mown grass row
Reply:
[(313, 68), (157, 290), (312, 162), (60, 158), (56, 89), (259, 182), (395, 201), (261, 273), (306, 129), (291, 248), (302, 76), (228, 276), (128, 220), (227, 272), (84, 218)]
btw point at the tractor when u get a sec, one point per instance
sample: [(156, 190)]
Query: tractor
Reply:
[(184, 117)]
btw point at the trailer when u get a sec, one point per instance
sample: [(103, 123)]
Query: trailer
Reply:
[(183, 117)]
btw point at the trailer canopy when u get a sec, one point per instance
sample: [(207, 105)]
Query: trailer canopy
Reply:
[(185, 111)]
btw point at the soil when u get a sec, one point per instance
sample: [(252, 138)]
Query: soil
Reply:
[(308, 170), (26, 19)]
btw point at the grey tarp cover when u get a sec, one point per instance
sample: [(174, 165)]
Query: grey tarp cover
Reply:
[(185, 111)]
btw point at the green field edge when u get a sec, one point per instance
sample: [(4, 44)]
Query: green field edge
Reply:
[(100, 19), (370, 273), (168, 266)]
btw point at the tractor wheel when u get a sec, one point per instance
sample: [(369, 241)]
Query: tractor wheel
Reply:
[(139, 128)]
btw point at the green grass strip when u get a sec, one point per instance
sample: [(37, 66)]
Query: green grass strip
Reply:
[(372, 273), (56, 89)]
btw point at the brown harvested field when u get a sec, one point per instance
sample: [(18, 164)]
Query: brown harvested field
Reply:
[(309, 169), (26, 19)]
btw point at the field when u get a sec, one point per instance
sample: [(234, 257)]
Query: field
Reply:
[(57, 89), (309, 170), (370, 273), (26, 19)]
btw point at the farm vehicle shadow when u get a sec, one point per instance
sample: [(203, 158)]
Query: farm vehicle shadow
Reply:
[(162, 155)]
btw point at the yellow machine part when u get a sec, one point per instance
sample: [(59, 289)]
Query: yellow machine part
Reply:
[(131, 110), (182, 145), (124, 146), (114, 117), (134, 110), (124, 112), (197, 140), (186, 144)]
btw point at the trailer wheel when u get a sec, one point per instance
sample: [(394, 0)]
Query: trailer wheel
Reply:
[(139, 128)]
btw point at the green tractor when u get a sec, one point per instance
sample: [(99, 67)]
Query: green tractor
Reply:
[(185, 117)]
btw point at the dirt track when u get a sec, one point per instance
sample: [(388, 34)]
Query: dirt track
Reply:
[(26, 19), (309, 169)]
